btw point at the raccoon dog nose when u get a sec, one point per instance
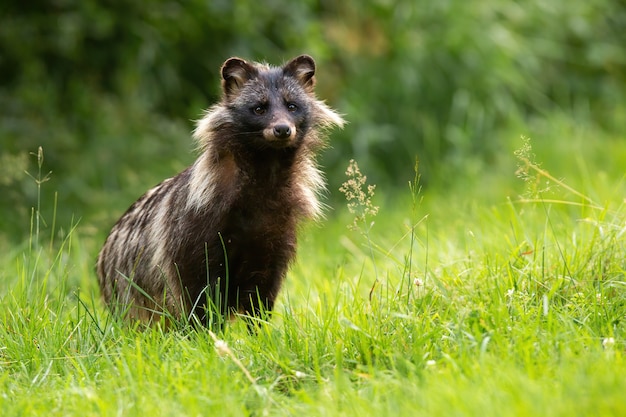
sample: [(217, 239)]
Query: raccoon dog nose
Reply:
[(282, 131)]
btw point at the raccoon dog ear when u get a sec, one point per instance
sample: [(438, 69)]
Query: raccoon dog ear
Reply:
[(235, 73), (303, 69)]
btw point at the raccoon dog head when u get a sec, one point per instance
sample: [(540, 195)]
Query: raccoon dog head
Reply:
[(270, 106)]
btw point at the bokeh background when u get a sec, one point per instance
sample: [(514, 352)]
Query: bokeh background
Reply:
[(110, 89)]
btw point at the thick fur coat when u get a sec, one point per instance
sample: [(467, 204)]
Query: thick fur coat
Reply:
[(222, 233)]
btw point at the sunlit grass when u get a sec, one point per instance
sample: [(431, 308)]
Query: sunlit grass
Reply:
[(450, 304)]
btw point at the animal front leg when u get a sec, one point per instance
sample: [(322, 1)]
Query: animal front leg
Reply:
[(256, 307), (257, 301)]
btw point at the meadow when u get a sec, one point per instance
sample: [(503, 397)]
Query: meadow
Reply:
[(488, 281), (502, 293)]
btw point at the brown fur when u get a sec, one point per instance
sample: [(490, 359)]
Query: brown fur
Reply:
[(226, 226)]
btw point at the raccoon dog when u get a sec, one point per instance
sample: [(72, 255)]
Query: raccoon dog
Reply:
[(223, 231)]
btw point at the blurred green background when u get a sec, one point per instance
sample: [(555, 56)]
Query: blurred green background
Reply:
[(110, 89)]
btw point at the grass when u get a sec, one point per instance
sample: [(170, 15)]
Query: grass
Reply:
[(458, 302)]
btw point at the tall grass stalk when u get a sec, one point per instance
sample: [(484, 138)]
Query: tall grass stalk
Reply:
[(36, 217), (360, 204)]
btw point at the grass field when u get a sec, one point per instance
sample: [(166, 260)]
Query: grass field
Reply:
[(494, 296)]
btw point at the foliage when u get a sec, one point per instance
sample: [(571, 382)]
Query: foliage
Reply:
[(439, 79), (109, 88)]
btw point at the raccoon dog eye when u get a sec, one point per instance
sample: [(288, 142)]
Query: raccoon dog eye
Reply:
[(259, 110), (292, 107)]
